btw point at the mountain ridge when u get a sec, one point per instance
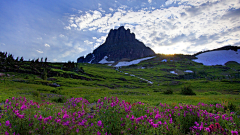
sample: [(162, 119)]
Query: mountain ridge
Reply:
[(227, 47), (119, 44)]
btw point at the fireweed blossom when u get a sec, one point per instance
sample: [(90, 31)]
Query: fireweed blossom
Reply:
[(6, 133), (7, 123), (99, 123), (234, 132), (130, 117)]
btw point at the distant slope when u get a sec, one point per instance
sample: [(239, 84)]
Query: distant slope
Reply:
[(219, 56), (228, 47)]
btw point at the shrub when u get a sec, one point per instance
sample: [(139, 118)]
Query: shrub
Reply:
[(54, 91), (86, 97), (156, 90), (44, 75), (168, 91), (211, 93), (232, 107), (59, 99), (43, 89), (36, 94), (187, 90)]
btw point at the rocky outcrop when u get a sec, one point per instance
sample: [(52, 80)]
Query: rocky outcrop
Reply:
[(120, 44)]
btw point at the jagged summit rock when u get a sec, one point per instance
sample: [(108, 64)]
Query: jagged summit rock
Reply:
[(120, 44), (119, 36)]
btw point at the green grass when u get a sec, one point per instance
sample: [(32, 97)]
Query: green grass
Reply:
[(104, 81)]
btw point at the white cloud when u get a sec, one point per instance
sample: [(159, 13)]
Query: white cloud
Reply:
[(40, 38), (111, 9), (39, 51), (100, 9), (69, 44), (88, 42), (55, 60), (187, 23), (91, 29), (61, 35), (168, 2), (76, 50), (73, 25), (2, 44), (150, 1), (47, 45), (67, 28)]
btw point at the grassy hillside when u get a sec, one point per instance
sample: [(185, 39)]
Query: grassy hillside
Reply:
[(212, 84), (112, 98)]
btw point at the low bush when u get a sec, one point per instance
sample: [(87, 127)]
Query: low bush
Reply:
[(36, 94), (211, 93), (187, 90), (168, 91), (26, 77), (59, 99)]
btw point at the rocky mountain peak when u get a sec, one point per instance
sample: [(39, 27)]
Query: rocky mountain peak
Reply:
[(120, 35), (120, 44)]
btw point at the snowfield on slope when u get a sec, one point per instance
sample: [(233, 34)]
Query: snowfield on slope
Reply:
[(104, 61), (218, 57), (125, 63)]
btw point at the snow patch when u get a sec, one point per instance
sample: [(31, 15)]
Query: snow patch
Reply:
[(218, 57), (117, 69), (104, 61), (124, 63), (92, 59), (145, 80), (141, 68), (188, 71), (173, 72), (164, 60)]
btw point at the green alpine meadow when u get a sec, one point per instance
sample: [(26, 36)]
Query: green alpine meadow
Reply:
[(167, 94)]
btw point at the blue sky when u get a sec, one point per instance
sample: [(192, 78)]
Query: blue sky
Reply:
[(65, 30)]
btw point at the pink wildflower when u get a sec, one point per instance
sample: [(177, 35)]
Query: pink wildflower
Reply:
[(234, 132), (99, 100), (20, 116), (99, 123), (6, 133), (65, 116), (40, 118), (7, 123), (170, 121), (23, 107), (208, 130)]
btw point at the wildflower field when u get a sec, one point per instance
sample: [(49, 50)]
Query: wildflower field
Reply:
[(111, 115), (41, 98)]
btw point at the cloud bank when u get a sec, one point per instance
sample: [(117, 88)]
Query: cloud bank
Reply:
[(182, 26), (65, 30)]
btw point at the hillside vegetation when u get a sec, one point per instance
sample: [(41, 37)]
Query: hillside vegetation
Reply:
[(149, 82), (97, 80)]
